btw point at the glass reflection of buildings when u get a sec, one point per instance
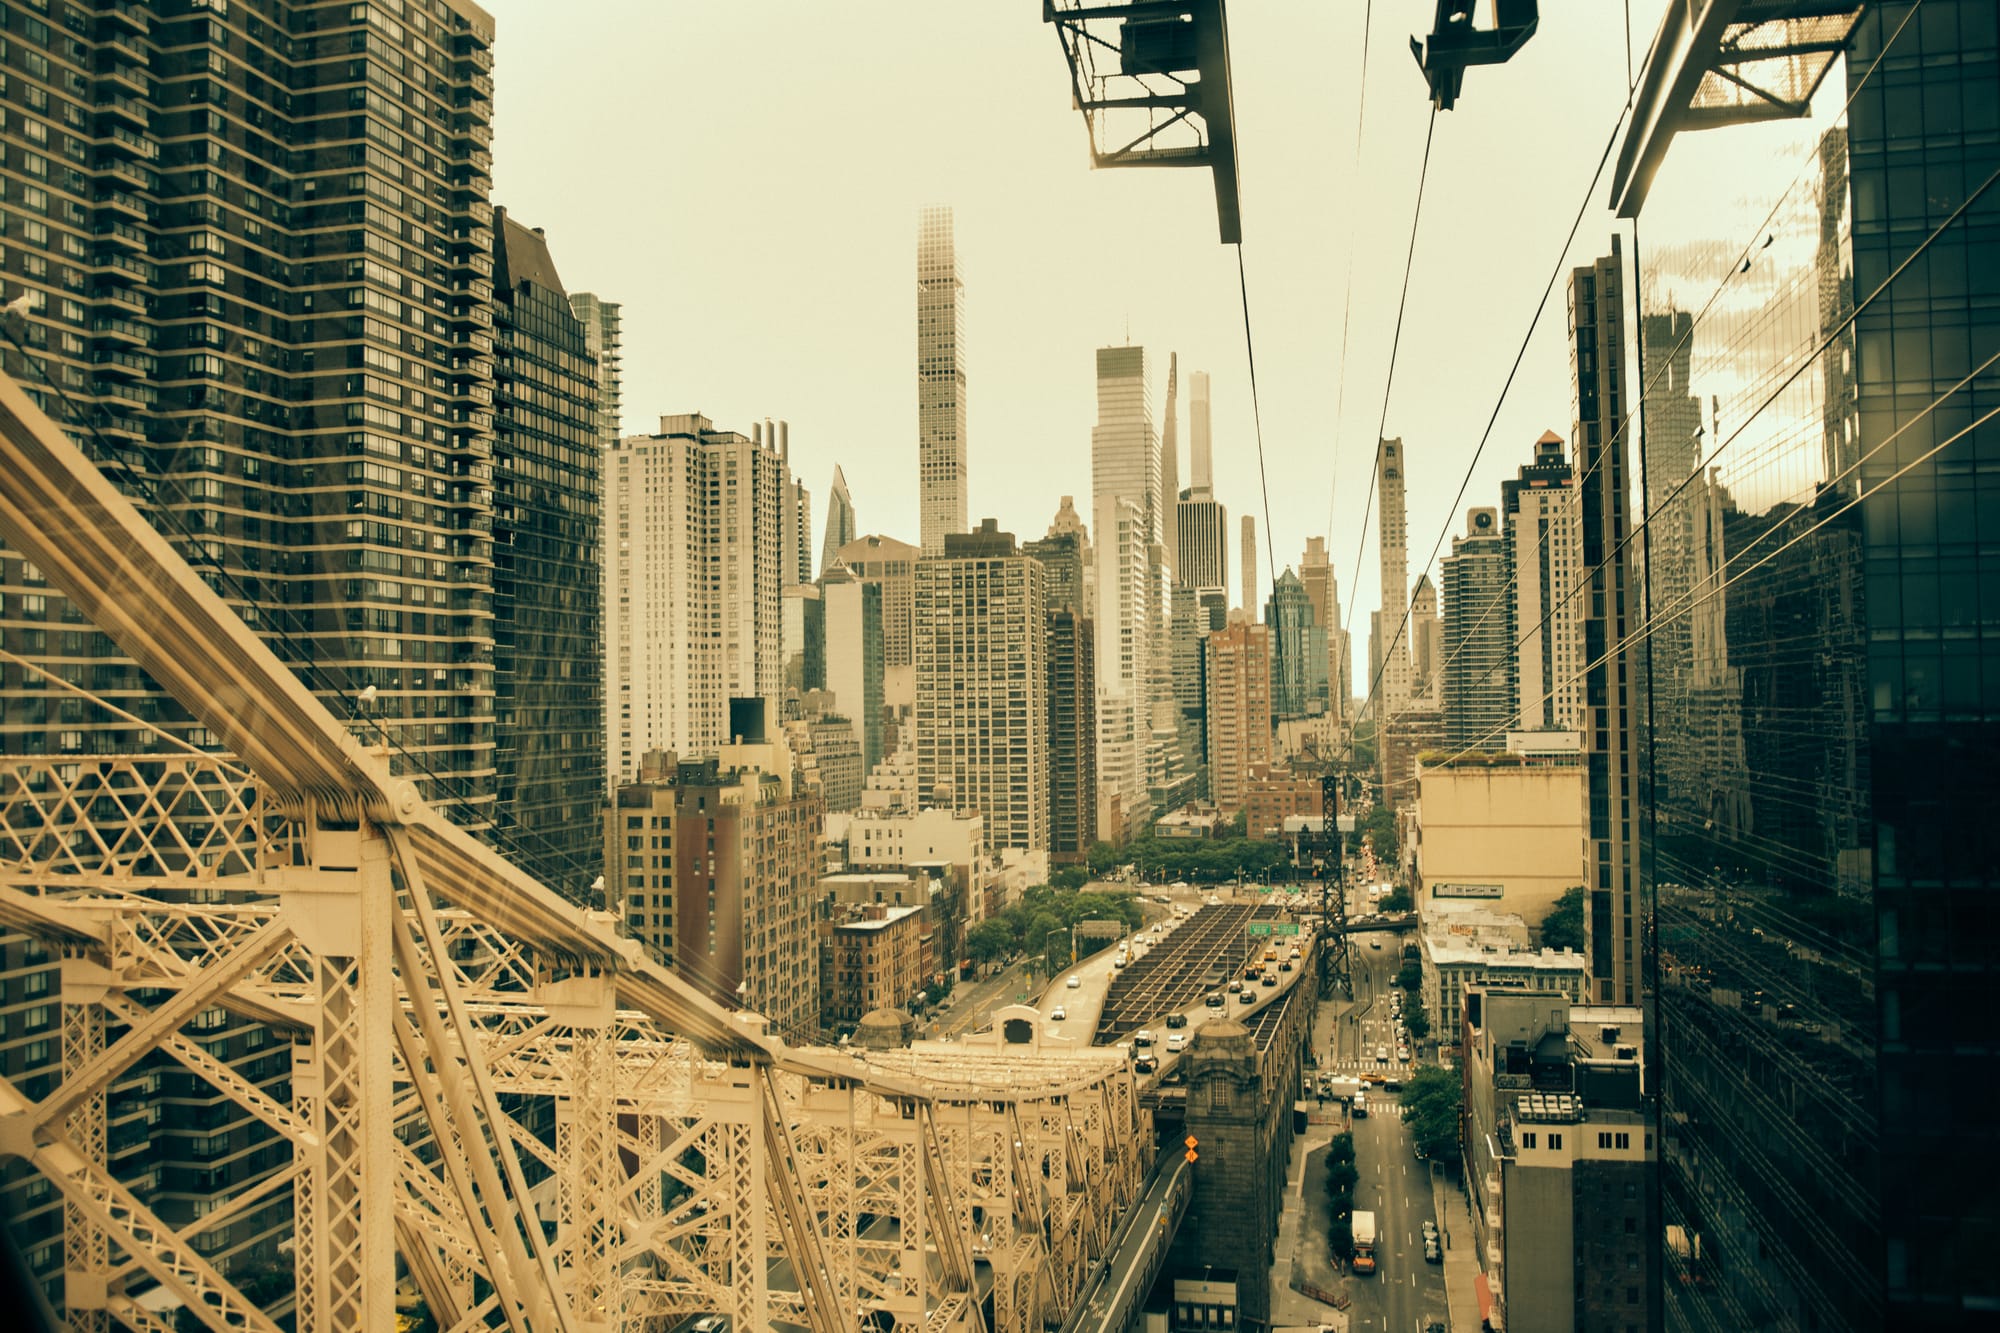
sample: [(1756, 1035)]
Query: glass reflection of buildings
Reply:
[(1820, 841)]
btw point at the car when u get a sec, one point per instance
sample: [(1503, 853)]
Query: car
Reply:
[(1176, 1020), (1285, 966), (1270, 979), (1074, 983), (1145, 1064), (1430, 1229), (1381, 1052), (1249, 996), (1058, 1014), (1120, 961), (1392, 1085), (1142, 1038), (1214, 1000), (713, 1323), (1432, 1253), (1235, 985), (1177, 1041), (1375, 944), (1403, 1054)]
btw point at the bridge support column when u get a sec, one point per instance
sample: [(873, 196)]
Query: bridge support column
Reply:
[(344, 911), (86, 1248), (587, 1174)]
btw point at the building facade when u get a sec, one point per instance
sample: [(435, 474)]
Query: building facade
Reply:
[(856, 656), (1539, 513), (940, 381), (1476, 674), (1298, 651), (892, 565), (871, 957), (1390, 685), (1072, 736), (1561, 1160), (1513, 823), (1604, 613), (604, 339), (982, 685), (548, 633), (693, 609), (1825, 733), (715, 863), (1238, 658), (840, 529)]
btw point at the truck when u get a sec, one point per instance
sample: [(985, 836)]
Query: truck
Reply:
[(1364, 1242)]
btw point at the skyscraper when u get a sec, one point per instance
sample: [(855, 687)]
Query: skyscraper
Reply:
[(604, 337), (1475, 676), (1201, 455), (1202, 529), (1322, 587), (1249, 607), (1604, 612), (982, 685), (1125, 481), (1542, 552), (548, 635), (693, 613), (1167, 505), (940, 381), (1825, 718), (1427, 655), (1298, 650), (1072, 734), (893, 564), (1392, 535), (856, 656), (794, 507), (1239, 708), (839, 521)]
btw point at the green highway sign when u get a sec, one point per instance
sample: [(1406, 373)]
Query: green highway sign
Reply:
[(1284, 928), (1258, 928)]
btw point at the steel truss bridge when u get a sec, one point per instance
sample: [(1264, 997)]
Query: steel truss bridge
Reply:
[(466, 1044)]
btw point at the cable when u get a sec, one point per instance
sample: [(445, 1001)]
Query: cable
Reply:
[(1583, 580), (1654, 624), (1347, 287), (1257, 416)]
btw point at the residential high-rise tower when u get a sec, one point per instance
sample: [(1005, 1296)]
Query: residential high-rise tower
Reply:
[(1474, 680), (940, 381)]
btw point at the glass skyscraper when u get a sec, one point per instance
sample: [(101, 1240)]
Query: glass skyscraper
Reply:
[(1821, 491)]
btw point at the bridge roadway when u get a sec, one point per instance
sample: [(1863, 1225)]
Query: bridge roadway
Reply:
[(1116, 1291)]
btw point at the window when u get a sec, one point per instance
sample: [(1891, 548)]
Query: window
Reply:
[(1555, 1142), (1528, 1139)]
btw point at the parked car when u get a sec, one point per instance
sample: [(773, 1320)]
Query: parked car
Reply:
[(1432, 1254)]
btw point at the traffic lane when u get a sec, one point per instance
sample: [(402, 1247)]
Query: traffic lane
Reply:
[(973, 1005), (1406, 1292)]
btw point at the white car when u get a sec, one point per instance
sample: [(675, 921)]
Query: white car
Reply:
[(1058, 1014), (1403, 1054), (1177, 1041), (1074, 983)]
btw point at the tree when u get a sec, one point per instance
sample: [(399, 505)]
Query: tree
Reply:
[(1340, 1238), (1432, 1103), (1562, 928), (1342, 1177), (1101, 858), (1415, 1018), (1411, 977), (990, 940), (1397, 900), (1340, 1149), (1070, 877)]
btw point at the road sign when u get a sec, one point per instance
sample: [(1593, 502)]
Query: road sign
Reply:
[(1192, 1142), (1284, 927), (1257, 928), (1192, 1155)]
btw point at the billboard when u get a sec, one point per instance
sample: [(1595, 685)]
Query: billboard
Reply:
[(1465, 890)]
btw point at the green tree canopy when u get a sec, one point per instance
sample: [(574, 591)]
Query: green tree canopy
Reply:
[(1342, 1177), (1562, 928), (1432, 1102), (1415, 1018), (991, 940), (1397, 900), (1410, 977), (1340, 1148)]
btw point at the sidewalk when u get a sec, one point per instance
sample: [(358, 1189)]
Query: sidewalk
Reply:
[(1461, 1257)]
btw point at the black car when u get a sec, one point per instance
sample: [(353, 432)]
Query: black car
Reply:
[(1145, 1064), (1176, 1020)]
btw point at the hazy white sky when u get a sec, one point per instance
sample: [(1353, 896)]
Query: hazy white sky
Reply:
[(745, 178)]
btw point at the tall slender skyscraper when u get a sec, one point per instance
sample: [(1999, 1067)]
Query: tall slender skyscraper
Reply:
[(840, 528), (1604, 614), (1249, 607), (1167, 505), (1201, 457), (940, 381), (1125, 477), (1393, 538), (1323, 587), (1425, 631), (1239, 708)]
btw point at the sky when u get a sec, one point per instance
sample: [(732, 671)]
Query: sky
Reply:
[(745, 177)]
